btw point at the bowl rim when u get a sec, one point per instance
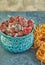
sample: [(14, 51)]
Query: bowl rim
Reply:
[(17, 37)]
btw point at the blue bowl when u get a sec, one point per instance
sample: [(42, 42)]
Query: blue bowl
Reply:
[(16, 44)]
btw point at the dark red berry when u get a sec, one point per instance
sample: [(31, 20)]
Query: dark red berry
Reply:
[(13, 34), (30, 23), (12, 30), (11, 19), (27, 30), (23, 21), (20, 33), (5, 23), (16, 18)]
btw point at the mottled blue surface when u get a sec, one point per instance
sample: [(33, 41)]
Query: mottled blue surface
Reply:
[(25, 58)]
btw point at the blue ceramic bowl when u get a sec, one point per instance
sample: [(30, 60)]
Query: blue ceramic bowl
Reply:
[(16, 44)]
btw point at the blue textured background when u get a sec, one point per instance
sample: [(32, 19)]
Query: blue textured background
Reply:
[(25, 58)]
